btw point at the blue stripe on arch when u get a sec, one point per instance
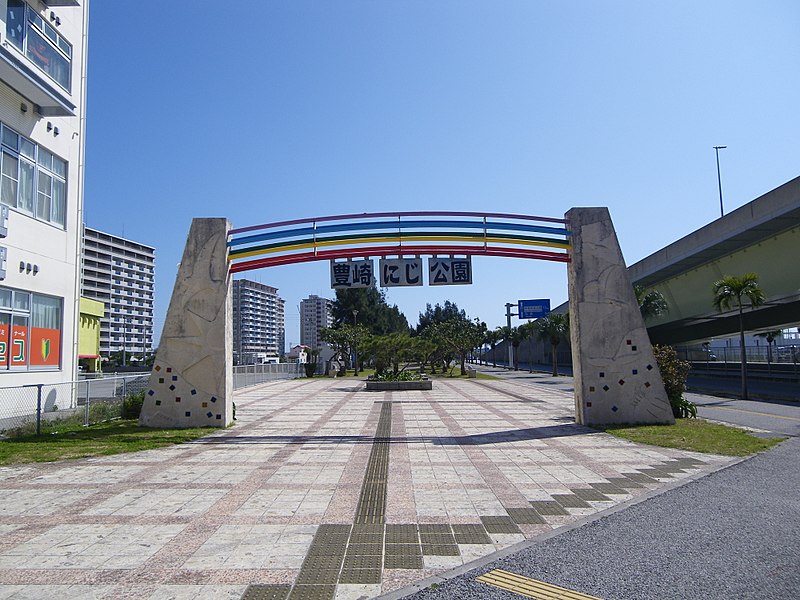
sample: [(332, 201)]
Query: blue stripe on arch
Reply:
[(384, 225)]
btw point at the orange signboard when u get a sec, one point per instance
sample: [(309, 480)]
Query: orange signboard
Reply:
[(45, 347)]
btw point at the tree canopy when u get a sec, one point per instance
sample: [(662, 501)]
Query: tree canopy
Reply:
[(440, 314), (651, 302), (374, 312), (553, 328)]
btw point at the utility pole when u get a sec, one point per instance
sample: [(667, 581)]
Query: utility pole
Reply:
[(509, 314), (719, 180), (355, 343)]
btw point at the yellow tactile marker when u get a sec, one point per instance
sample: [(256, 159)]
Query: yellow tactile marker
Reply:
[(530, 588)]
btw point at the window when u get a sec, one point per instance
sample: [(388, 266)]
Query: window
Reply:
[(30, 331), (40, 42), (32, 179)]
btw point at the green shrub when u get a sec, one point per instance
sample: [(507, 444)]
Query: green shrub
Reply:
[(132, 405), (311, 369), (674, 372), (401, 376)]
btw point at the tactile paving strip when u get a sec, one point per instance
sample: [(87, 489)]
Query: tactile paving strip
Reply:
[(267, 592), (372, 502), (530, 588)]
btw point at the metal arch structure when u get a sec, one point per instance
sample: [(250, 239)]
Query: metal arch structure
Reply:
[(616, 377), (398, 233)]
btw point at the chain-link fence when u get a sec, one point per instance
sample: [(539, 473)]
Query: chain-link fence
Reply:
[(29, 408), (247, 375)]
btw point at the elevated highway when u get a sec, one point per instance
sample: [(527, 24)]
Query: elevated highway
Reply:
[(762, 236)]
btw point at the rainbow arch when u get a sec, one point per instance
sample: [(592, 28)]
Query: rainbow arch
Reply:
[(398, 234)]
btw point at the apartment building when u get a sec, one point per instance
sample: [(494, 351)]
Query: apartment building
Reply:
[(42, 117), (315, 315), (120, 273), (258, 322)]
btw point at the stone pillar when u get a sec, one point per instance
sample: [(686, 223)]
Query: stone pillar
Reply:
[(191, 382), (615, 373)]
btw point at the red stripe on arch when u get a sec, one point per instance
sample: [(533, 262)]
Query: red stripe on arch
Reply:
[(395, 251), (388, 215)]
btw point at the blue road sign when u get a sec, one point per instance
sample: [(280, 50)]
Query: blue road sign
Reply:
[(534, 309)]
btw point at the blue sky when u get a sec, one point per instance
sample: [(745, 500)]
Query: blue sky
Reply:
[(282, 110)]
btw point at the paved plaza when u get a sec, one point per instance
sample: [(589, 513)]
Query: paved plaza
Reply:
[(322, 490)]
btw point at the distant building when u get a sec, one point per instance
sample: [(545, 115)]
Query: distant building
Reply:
[(92, 313), (258, 322), (298, 354), (120, 273), (315, 315), (42, 116)]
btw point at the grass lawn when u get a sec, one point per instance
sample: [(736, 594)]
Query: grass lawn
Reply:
[(697, 435), (73, 440), (456, 374)]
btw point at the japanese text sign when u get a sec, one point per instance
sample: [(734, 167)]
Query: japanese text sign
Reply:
[(395, 272), (449, 271), (352, 274)]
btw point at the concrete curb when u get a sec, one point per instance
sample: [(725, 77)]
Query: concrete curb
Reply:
[(500, 554)]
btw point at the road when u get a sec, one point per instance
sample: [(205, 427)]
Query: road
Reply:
[(732, 534), (775, 417)]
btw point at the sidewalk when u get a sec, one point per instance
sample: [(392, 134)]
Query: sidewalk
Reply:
[(322, 490)]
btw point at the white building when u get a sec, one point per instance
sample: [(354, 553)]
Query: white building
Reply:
[(315, 315), (258, 322), (119, 273), (42, 111)]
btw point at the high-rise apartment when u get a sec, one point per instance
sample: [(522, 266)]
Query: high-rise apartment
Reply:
[(315, 315), (119, 272), (258, 322), (42, 116)]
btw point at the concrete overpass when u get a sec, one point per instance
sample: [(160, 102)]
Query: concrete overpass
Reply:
[(762, 236)]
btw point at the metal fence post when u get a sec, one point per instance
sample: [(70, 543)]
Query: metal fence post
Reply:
[(124, 387), (38, 409), (86, 404)]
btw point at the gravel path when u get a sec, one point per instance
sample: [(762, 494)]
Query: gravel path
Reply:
[(732, 534)]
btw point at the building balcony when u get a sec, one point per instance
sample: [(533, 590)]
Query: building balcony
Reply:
[(19, 74)]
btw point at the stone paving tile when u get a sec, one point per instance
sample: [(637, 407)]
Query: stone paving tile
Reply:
[(474, 468)]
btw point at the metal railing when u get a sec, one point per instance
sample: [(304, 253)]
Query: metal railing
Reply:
[(247, 375), (87, 401), (777, 355)]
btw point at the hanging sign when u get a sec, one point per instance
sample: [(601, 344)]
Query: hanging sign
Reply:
[(352, 274), (449, 271), (534, 309), (397, 272)]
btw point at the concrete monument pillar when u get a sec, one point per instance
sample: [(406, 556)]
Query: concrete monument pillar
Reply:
[(615, 373), (191, 382)]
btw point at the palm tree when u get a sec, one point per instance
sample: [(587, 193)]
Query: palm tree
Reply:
[(770, 336), (492, 338), (553, 328), (505, 336), (730, 292), (651, 302), (529, 332), (517, 335)]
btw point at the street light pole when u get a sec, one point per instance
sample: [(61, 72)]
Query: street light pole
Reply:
[(355, 341), (719, 180), (509, 314)]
